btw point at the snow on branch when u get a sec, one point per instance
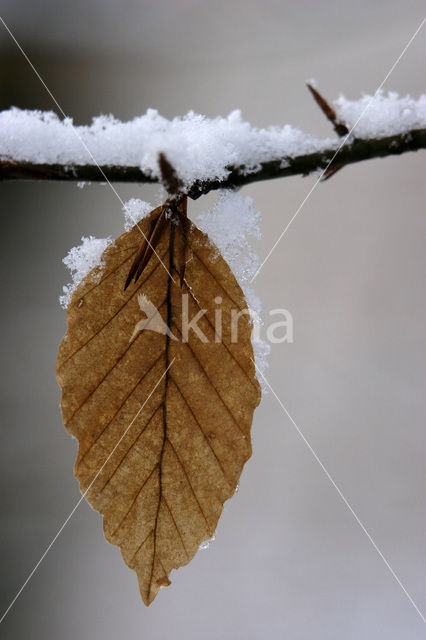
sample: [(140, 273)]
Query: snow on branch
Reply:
[(206, 153)]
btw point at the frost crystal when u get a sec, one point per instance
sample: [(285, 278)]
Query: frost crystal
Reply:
[(80, 260), (134, 211), (205, 545), (229, 224)]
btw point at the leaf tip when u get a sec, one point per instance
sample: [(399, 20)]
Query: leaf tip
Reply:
[(148, 596)]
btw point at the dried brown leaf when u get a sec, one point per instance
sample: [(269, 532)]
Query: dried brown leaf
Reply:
[(163, 426)]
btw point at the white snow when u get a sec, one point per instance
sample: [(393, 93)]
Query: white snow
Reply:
[(198, 147), (134, 211), (382, 115), (80, 260), (230, 224)]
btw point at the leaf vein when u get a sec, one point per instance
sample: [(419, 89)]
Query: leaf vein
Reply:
[(102, 380), (98, 331), (126, 515), (106, 275), (200, 428), (141, 432), (176, 527), (228, 295), (211, 383), (185, 473), (222, 341), (121, 406)]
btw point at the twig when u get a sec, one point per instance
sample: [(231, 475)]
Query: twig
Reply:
[(351, 152), (340, 127)]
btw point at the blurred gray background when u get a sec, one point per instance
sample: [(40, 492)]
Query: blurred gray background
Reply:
[(289, 560)]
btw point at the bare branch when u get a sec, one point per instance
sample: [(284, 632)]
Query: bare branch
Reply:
[(352, 151)]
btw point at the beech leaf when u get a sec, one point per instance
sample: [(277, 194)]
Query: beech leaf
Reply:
[(163, 422)]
